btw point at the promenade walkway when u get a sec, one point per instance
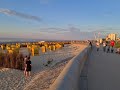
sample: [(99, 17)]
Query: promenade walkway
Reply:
[(101, 72)]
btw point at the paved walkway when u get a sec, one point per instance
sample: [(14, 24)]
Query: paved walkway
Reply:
[(101, 72)]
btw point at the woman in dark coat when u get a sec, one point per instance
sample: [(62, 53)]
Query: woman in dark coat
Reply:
[(28, 67)]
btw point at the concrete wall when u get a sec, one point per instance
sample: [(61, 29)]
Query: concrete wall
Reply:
[(70, 76)]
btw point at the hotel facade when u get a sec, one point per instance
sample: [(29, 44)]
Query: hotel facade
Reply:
[(111, 36)]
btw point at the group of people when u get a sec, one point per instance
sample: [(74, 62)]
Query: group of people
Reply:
[(107, 46), (27, 66)]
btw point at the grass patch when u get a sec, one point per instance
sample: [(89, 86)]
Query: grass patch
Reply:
[(117, 45)]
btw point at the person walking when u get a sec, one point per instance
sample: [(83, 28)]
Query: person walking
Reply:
[(108, 47), (112, 43), (98, 45), (28, 67), (90, 44), (104, 46)]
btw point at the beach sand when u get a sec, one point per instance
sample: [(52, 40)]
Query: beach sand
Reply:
[(41, 76)]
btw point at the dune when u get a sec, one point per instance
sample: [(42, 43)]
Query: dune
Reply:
[(11, 79)]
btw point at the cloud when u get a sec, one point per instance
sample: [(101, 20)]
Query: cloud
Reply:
[(76, 33), (59, 30), (69, 33), (18, 14)]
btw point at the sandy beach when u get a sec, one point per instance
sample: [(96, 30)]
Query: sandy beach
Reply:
[(41, 76)]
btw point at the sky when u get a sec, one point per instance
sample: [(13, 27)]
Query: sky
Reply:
[(59, 19)]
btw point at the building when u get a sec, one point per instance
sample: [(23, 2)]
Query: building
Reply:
[(111, 36)]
